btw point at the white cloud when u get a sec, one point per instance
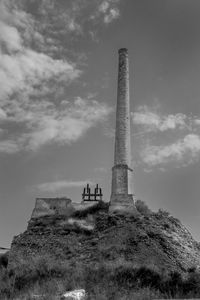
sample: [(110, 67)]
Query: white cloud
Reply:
[(46, 123), (67, 125), (20, 72), (112, 15), (107, 9), (104, 6), (58, 185), (175, 138), (9, 36), (185, 151), (21, 68), (3, 114), (153, 121), (27, 77), (9, 146), (76, 16), (33, 81)]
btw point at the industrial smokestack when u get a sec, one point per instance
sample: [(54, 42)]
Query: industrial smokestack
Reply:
[(121, 194)]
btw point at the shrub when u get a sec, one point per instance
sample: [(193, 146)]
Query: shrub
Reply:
[(24, 276), (4, 260), (192, 269), (148, 277), (125, 276), (142, 208), (173, 284), (192, 284), (91, 210), (101, 281), (163, 213), (5, 288)]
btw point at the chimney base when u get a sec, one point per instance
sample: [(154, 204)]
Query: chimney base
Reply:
[(122, 204)]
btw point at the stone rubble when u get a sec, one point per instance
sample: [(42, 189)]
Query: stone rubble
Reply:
[(74, 295)]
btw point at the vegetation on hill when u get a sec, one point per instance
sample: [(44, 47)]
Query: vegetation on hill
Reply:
[(103, 281), (151, 256)]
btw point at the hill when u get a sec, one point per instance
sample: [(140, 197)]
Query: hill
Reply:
[(88, 250)]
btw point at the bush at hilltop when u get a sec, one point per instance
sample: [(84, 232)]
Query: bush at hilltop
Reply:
[(142, 208)]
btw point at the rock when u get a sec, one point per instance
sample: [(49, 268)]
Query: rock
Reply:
[(74, 295), (82, 224)]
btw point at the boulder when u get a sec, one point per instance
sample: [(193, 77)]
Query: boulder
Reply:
[(74, 295)]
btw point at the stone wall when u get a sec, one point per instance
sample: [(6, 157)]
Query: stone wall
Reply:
[(51, 206), (120, 179), (59, 206)]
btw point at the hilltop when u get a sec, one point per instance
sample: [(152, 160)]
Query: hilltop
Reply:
[(94, 241)]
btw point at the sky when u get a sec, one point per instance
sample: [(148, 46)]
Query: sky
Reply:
[(58, 90)]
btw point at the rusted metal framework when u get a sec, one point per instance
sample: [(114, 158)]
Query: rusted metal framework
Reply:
[(88, 196)]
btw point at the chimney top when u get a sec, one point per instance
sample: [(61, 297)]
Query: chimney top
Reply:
[(123, 50)]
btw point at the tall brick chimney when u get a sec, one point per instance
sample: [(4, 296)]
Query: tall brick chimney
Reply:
[(121, 194)]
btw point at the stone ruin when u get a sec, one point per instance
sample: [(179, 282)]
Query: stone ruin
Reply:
[(122, 196), (65, 206), (51, 206)]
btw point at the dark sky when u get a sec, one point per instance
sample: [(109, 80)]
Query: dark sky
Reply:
[(58, 79)]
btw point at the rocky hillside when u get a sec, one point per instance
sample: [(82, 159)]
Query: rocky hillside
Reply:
[(93, 236)]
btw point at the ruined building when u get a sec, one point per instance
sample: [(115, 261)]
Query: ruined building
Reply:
[(122, 198)]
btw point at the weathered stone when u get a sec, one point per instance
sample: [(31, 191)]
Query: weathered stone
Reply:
[(51, 206), (59, 206), (123, 203), (74, 295), (121, 196), (122, 137), (82, 224), (84, 205)]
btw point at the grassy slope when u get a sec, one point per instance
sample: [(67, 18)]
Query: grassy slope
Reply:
[(122, 258)]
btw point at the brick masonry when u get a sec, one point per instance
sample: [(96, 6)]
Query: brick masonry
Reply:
[(122, 135), (121, 194)]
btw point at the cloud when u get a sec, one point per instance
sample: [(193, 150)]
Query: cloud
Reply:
[(22, 71), (9, 36), (166, 140), (104, 6), (107, 10), (34, 78), (21, 68), (73, 18), (58, 185), (47, 123), (112, 15), (67, 125), (153, 121), (9, 146), (3, 114), (184, 151)]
